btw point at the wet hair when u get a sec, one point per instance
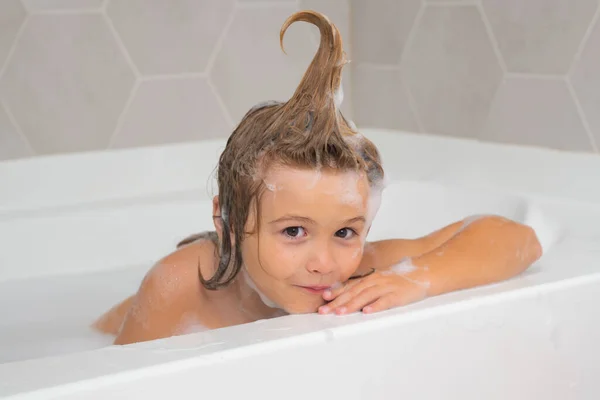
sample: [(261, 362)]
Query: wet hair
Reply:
[(308, 131)]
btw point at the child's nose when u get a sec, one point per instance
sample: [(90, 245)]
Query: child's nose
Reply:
[(323, 261)]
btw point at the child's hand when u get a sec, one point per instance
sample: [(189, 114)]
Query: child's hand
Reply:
[(376, 292)]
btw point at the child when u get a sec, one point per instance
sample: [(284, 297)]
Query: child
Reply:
[(298, 190)]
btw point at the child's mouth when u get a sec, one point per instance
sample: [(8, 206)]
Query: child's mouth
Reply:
[(315, 289)]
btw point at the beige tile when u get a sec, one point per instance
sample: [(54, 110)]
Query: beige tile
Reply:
[(381, 28), (452, 71), (12, 144), (167, 37), (171, 111), (536, 112), (67, 83), (338, 11), (539, 36), (35, 5), (251, 68), (585, 79), (381, 100), (12, 15)]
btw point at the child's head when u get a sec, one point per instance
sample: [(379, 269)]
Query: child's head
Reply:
[(297, 187)]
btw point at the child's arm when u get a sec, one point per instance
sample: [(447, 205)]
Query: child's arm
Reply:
[(485, 250), (488, 250), (384, 254)]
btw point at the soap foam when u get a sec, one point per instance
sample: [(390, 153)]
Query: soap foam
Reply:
[(339, 96), (264, 104), (271, 186), (353, 127), (546, 230), (268, 302), (189, 323), (373, 204), (404, 268)]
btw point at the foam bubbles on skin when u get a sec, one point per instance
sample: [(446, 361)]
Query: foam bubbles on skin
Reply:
[(268, 302), (317, 177), (139, 313), (373, 204), (404, 268), (469, 220), (271, 186), (189, 323)]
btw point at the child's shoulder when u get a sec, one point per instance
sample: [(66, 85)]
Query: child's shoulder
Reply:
[(178, 272)]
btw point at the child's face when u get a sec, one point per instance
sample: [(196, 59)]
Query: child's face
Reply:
[(312, 230)]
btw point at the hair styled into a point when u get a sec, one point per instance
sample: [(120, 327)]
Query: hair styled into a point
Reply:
[(308, 132)]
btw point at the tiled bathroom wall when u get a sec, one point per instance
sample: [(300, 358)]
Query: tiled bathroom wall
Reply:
[(81, 75), (512, 71)]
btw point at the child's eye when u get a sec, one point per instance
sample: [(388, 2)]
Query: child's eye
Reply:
[(294, 232), (345, 233)]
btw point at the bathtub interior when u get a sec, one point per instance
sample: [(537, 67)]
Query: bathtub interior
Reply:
[(52, 323), (70, 256)]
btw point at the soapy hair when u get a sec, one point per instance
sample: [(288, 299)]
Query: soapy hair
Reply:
[(308, 131)]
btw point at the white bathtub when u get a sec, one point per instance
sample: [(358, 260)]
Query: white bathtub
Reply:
[(78, 232)]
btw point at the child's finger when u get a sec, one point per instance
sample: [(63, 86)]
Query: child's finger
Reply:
[(381, 304), (364, 298), (331, 294), (346, 296)]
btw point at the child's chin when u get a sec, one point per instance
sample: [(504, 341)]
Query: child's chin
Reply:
[(303, 308)]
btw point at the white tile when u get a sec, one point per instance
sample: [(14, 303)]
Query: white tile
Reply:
[(381, 100), (12, 15), (12, 145), (36, 5), (452, 71), (251, 68), (381, 29), (67, 83), (171, 111), (586, 81), (167, 37), (539, 36), (536, 112)]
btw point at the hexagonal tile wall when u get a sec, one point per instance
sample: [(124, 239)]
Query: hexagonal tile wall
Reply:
[(170, 37), (12, 16), (536, 112), (539, 36), (250, 66), (585, 78), (170, 111), (45, 5), (12, 144), (451, 70), (381, 99), (384, 26), (67, 82)]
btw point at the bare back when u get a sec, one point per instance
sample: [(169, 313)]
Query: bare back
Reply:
[(172, 301)]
